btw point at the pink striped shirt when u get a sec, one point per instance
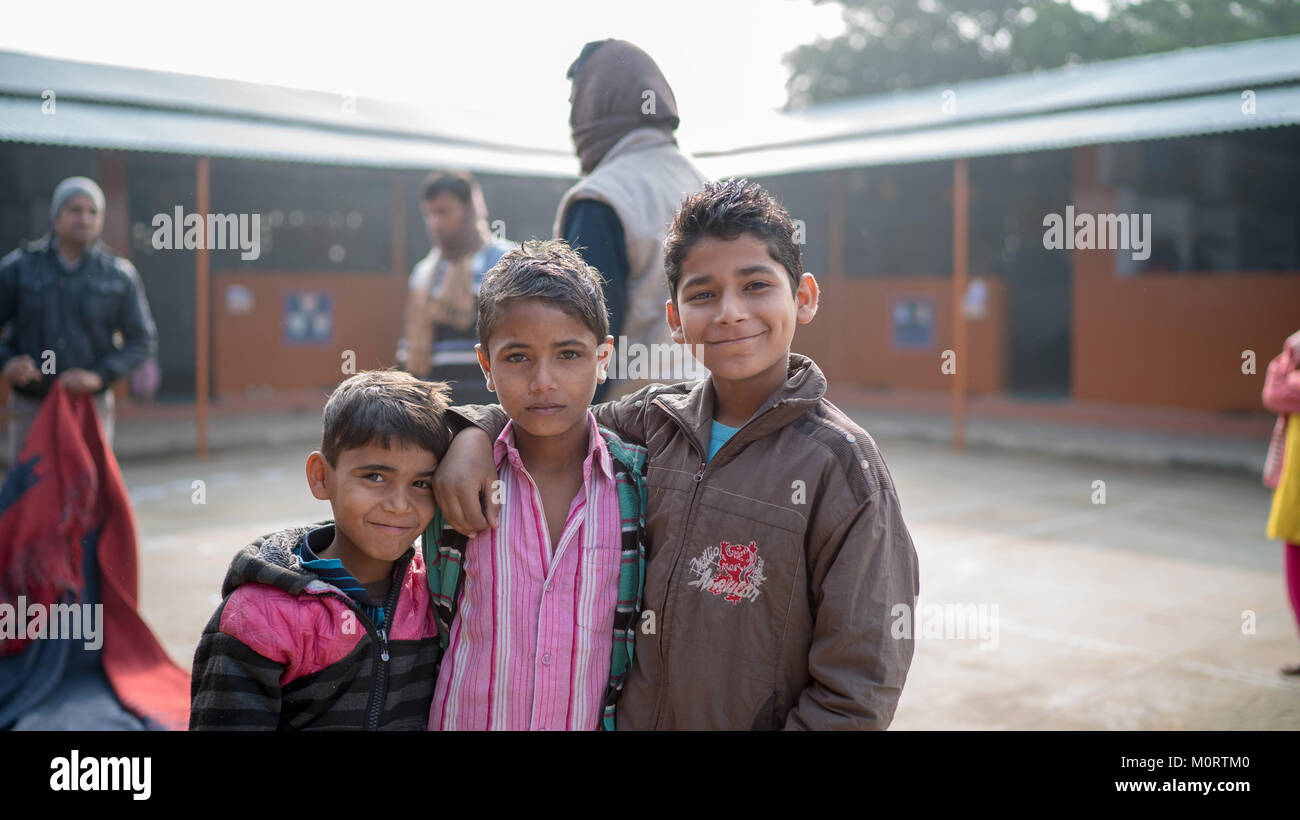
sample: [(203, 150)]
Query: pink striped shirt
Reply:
[(530, 645)]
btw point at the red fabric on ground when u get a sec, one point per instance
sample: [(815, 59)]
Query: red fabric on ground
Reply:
[(41, 530), (75, 487)]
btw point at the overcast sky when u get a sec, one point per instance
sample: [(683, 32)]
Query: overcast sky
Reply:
[(722, 57)]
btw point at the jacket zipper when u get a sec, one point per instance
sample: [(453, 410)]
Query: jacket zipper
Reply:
[(672, 573), (380, 690), (380, 637)]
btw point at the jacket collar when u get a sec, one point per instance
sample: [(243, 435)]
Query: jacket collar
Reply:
[(272, 560), (804, 386), (48, 244)]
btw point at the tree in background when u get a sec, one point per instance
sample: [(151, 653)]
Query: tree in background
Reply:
[(890, 45)]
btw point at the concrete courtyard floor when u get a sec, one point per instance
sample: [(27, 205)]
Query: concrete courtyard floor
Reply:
[(1163, 608)]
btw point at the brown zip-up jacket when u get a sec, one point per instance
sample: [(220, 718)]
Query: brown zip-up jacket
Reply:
[(780, 577)]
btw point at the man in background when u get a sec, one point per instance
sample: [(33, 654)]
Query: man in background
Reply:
[(63, 299), (75, 321), (441, 301)]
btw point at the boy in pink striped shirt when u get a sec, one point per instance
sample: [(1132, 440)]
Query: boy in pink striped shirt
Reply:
[(541, 608)]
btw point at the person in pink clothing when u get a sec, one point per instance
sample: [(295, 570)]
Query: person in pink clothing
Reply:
[(1282, 396), (538, 639)]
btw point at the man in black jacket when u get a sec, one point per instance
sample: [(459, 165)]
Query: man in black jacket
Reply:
[(62, 300)]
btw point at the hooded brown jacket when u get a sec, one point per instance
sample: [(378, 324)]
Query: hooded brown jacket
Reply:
[(780, 577)]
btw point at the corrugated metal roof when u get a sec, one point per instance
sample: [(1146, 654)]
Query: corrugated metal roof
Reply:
[(1186, 72), (92, 125), (28, 75), (1180, 93), (1208, 114), (1175, 94), (135, 109)]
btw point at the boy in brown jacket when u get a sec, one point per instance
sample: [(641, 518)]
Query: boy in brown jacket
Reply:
[(780, 577)]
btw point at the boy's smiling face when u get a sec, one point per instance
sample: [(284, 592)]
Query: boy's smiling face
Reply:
[(735, 310), (544, 366), (382, 498)]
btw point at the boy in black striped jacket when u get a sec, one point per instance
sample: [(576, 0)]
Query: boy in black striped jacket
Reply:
[(330, 626)]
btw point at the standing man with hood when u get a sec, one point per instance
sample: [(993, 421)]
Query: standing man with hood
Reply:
[(62, 300), (441, 302), (622, 118)]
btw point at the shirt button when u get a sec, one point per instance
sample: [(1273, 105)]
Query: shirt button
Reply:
[(546, 659), (550, 585)]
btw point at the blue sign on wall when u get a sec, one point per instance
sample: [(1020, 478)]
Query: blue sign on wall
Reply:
[(913, 323), (308, 317)]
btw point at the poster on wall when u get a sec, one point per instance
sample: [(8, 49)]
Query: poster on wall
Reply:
[(913, 323), (308, 317)]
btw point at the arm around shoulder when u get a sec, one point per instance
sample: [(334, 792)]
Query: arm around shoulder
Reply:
[(626, 416), (490, 418)]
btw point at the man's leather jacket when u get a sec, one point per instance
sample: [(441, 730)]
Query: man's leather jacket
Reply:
[(67, 319)]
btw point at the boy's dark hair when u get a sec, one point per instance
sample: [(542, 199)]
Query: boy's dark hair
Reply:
[(384, 405), (459, 184), (725, 210), (543, 269)]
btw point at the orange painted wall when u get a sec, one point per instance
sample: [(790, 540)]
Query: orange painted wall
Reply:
[(250, 350), (851, 337), (1173, 339), (1177, 339)]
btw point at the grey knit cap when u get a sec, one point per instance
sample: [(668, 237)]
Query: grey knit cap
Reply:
[(72, 186)]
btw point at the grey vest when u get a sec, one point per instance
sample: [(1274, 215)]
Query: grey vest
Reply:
[(644, 178)]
